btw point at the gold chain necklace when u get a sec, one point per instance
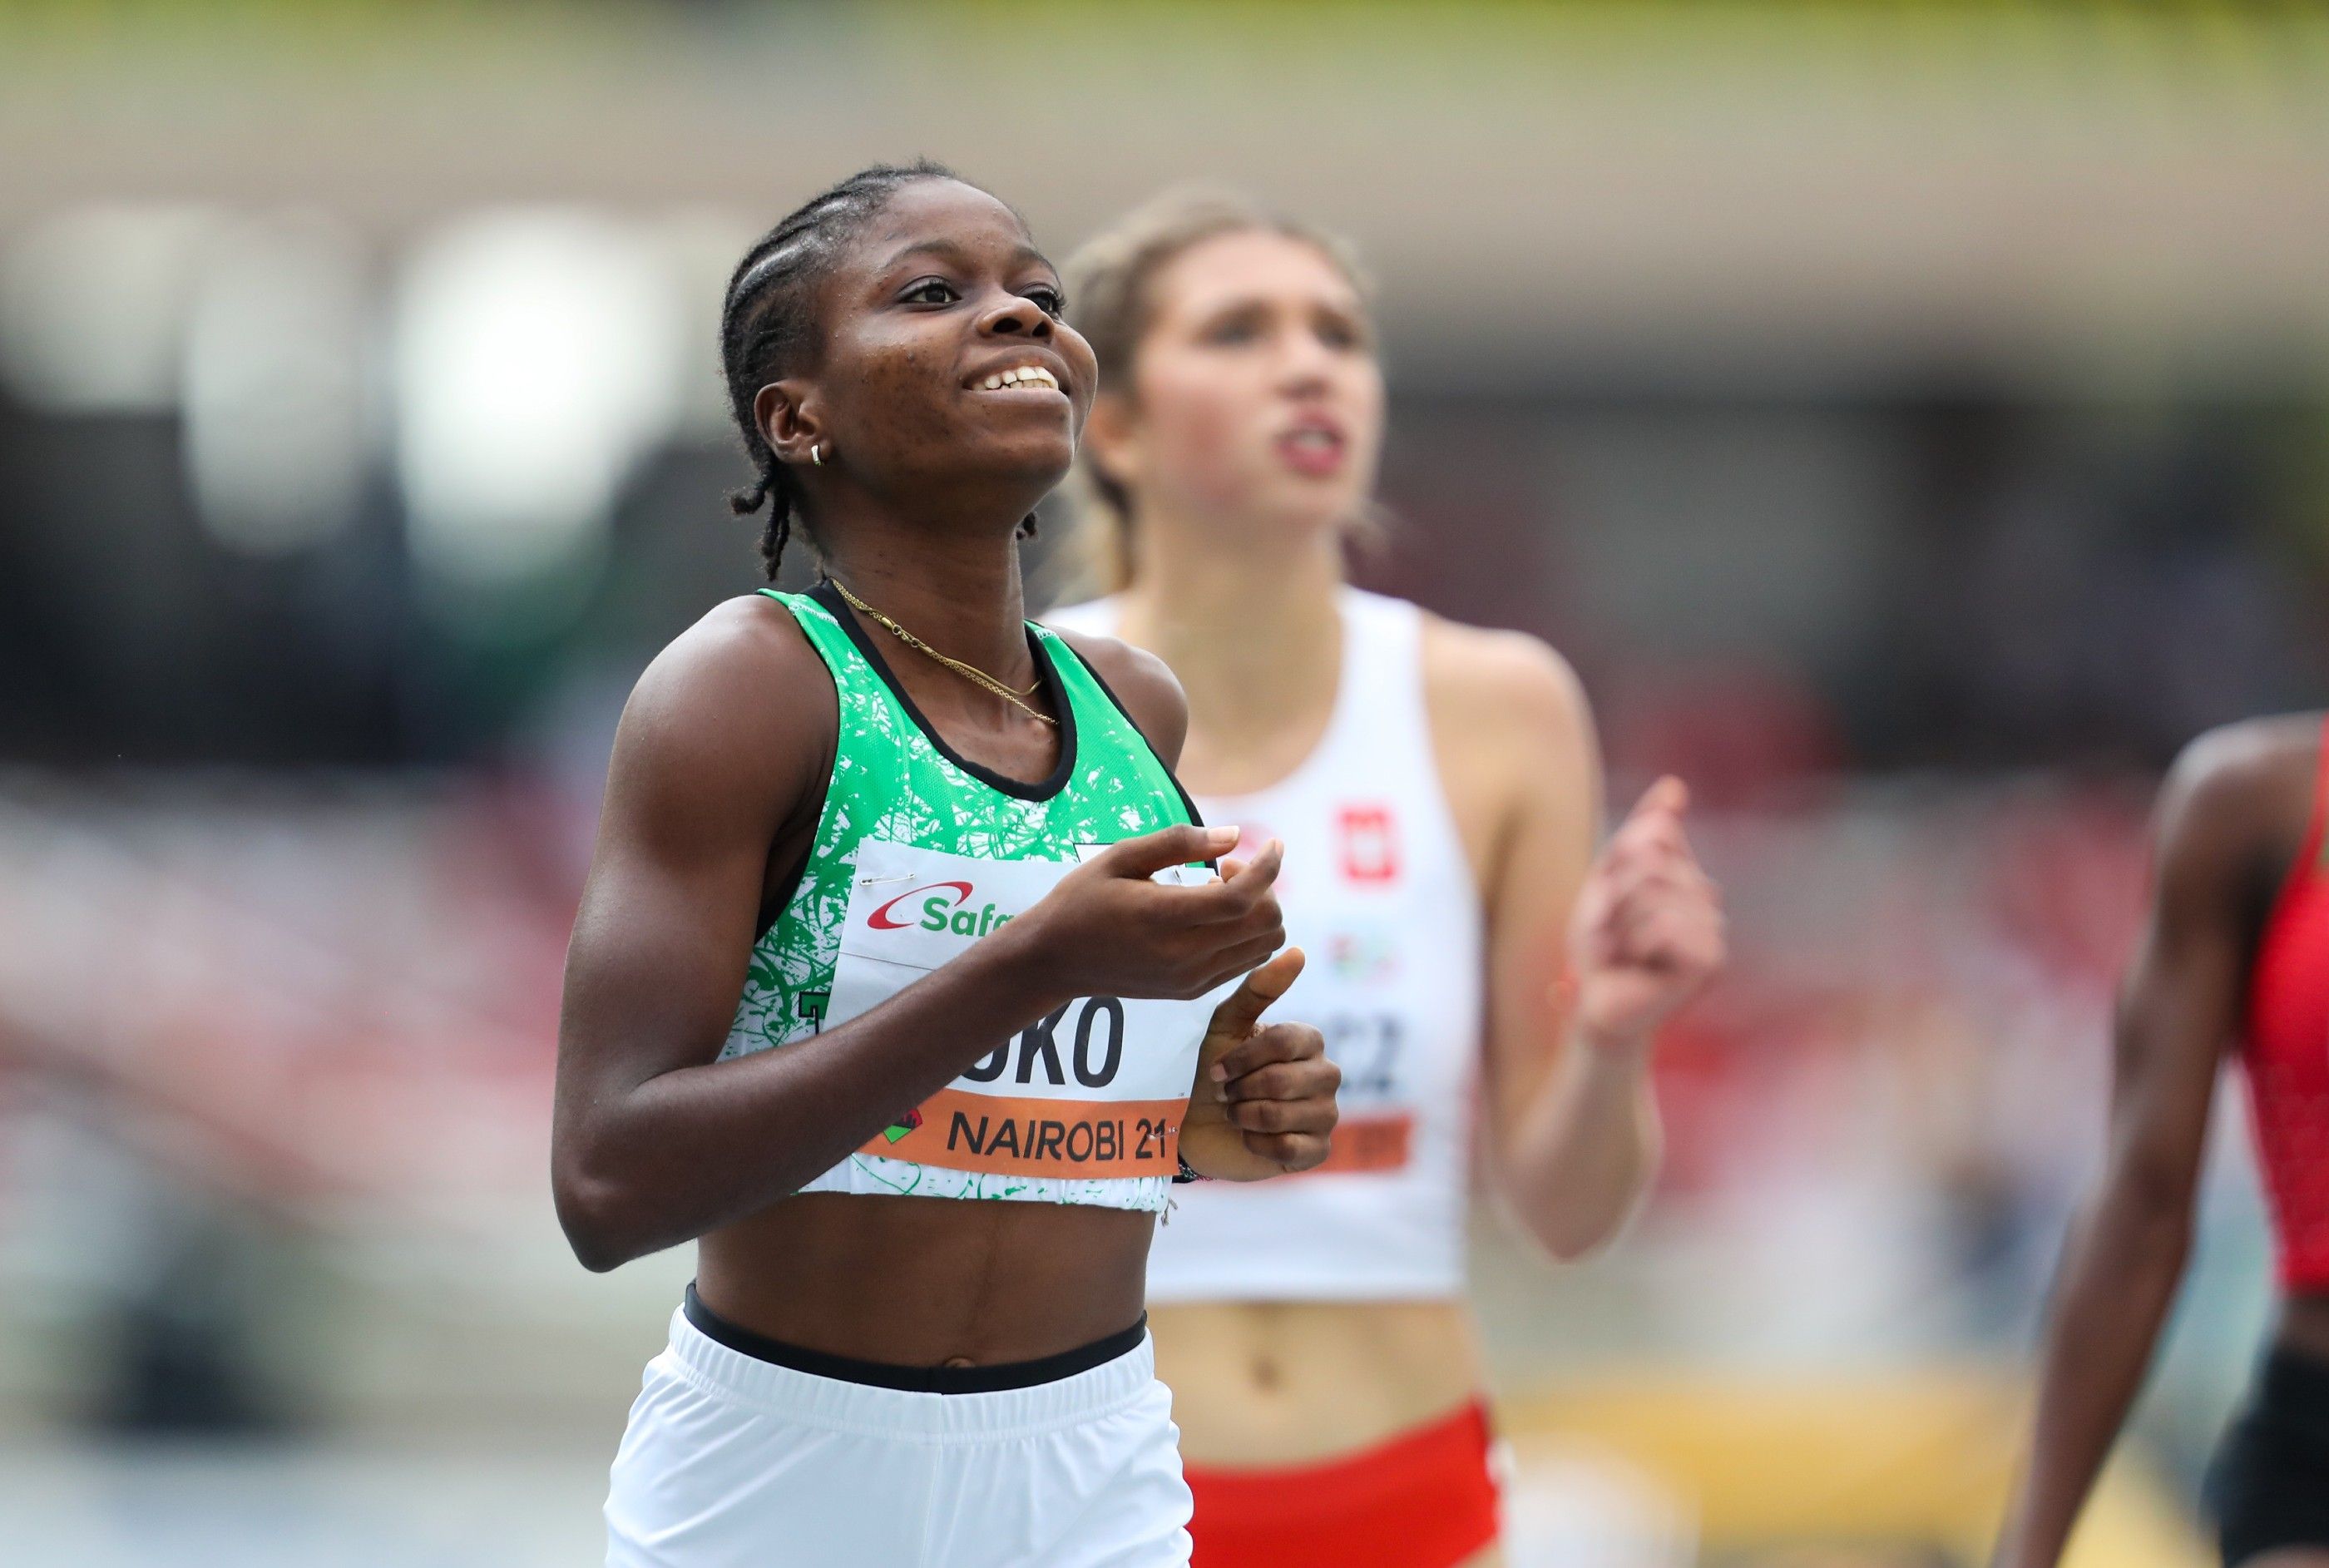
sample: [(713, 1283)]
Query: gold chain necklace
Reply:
[(969, 672)]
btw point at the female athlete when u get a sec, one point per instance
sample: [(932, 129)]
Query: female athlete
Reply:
[(892, 985), (2234, 956), (1438, 790)]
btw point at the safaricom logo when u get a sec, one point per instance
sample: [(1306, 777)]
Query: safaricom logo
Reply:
[(945, 907)]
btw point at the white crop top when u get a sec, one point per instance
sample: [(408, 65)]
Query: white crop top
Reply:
[(1378, 891)]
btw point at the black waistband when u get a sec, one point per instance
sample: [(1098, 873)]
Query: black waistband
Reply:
[(912, 1379)]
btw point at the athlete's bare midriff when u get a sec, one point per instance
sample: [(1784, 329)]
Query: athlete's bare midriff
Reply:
[(1258, 1384), (1263, 1384), (928, 1281)]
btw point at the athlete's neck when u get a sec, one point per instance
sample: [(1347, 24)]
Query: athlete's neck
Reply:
[(957, 590), (1256, 637)]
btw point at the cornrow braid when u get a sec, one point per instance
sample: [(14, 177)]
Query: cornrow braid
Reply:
[(767, 326)]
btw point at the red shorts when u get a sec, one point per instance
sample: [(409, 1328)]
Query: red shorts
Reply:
[(1426, 1498)]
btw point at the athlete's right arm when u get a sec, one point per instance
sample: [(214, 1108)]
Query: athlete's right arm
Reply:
[(2124, 1255), (722, 746)]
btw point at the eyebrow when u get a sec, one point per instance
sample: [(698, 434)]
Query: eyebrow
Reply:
[(1352, 308), (1025, 255)]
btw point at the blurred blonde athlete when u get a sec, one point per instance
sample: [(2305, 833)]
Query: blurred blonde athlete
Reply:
[(1437, 789)]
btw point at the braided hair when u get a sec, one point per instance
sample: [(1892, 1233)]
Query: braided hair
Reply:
[(767, 326)]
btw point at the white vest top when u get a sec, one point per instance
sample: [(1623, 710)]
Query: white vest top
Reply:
[(1378, 891)]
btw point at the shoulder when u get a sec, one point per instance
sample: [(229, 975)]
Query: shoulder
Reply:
[(728, 696), (1505, 683), (738, 647), (2229, 817), (2242, 762), (2239, 792), (1513, 734), (1146, 687)]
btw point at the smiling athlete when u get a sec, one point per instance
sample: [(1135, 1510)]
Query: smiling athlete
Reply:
[(891, 983)]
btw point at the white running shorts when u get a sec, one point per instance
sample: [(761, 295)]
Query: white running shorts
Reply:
[(731, 1461)]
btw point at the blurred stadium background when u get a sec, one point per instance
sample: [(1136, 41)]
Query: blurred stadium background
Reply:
[(1909, 419)]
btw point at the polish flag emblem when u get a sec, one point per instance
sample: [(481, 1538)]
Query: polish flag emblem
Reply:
[(1370, 843)]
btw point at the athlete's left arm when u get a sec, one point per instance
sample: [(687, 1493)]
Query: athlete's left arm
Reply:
[(1263, 1103), (1586, 955)]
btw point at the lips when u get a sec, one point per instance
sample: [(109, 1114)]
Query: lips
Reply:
[(1314, 447)]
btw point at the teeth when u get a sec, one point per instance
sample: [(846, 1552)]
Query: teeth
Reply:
[(1023, 375)]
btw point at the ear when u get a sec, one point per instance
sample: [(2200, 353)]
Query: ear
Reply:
[(786, 414), (1112, 438)]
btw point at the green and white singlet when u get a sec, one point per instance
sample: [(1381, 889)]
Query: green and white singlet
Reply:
[(917, 853)]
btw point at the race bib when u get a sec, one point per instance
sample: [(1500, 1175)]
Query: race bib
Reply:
[(1376, 1134), (1096, 1088), (1367, 1146)]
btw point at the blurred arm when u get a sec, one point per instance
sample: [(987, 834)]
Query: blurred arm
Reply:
[(1573, 1129), (2178, 1008)]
